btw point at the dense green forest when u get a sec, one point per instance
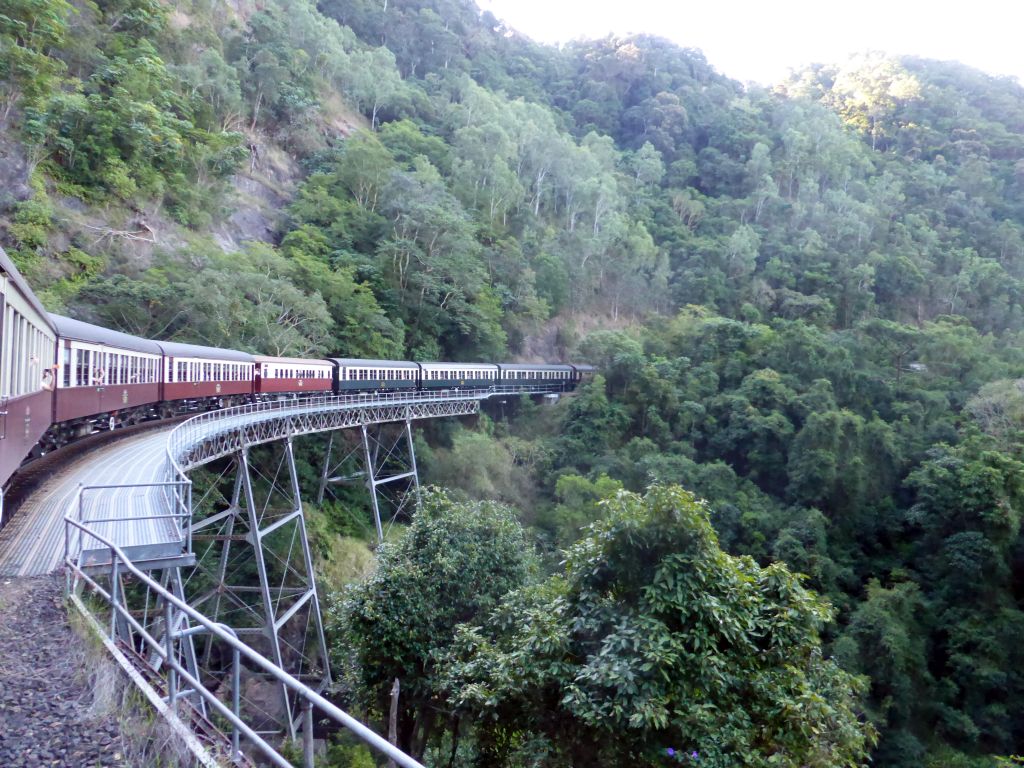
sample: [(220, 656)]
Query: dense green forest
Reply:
[(805, 303)]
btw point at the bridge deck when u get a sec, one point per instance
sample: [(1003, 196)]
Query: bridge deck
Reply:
[(32, 543)]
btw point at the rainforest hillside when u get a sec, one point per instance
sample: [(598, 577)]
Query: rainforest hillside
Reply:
[(805, 303)]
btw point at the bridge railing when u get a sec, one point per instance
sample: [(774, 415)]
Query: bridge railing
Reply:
[(176, 510), (204, 426), (176, 674)]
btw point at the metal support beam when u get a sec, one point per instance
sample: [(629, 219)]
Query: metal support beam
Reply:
[(307, 556), (385, 463), (270, 628), (256, 569)]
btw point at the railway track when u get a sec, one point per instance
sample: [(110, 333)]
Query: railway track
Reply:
[(32, 474)]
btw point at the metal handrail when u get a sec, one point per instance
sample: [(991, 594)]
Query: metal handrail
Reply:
[(181, 517), (190, 433), (176, 671), (179, 435)]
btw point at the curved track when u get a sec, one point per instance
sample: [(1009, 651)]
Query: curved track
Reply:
[(32, 543)]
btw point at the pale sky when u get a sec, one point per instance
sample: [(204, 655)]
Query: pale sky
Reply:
[(761, 41)]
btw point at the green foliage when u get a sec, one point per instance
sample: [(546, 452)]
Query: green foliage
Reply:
[(577, 497), (453, 565), (29, 30), (654, 638), (804, 302)]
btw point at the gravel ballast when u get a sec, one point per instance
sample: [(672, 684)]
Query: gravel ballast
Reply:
[(50, 712)]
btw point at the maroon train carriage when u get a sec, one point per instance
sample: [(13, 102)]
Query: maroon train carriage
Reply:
[(104, 379), (27, 344), (198, 377), (292, 375)]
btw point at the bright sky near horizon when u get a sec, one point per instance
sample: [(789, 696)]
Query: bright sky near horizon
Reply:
[(762, 41)]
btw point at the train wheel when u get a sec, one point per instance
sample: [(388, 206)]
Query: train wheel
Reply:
[(111, 423)]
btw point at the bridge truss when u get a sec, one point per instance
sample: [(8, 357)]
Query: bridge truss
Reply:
[(226, 618)]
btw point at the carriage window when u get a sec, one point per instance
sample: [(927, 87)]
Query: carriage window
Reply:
[(67, 366), (81, 367)]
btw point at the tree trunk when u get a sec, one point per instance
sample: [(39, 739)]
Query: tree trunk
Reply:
[(393, 719), (256, 111), (455, 741)]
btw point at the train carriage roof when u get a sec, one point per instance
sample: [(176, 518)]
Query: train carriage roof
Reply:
[(535, 367), (177, 349), (78, 330), (355, 361), (443, 364), (7, 266), (289, 360)]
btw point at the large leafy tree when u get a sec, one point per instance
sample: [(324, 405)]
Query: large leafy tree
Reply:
[(654, 639), (452, 566)]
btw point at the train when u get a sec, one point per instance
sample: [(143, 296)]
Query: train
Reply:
[(62, 379)]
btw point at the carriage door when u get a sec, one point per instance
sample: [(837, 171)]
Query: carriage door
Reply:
[(89, 374), (106, 380)]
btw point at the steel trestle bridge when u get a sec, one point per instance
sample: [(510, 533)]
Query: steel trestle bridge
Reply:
[(211, 603)]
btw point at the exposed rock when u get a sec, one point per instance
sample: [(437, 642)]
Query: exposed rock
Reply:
[(14, 171)]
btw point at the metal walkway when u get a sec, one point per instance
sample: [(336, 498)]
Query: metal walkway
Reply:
[(32, 544)]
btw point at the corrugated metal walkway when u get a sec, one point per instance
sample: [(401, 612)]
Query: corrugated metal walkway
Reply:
[(32, 543)]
